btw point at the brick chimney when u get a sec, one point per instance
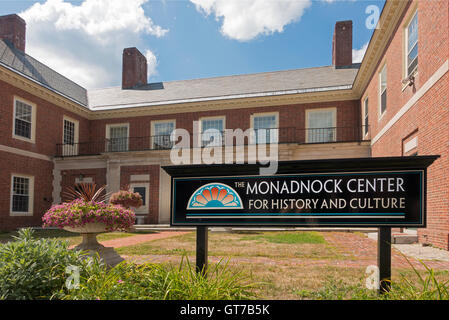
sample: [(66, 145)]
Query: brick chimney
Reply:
[(12, 28), (134, 72), (342, 44)]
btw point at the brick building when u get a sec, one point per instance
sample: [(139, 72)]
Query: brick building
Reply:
[(54, 133)]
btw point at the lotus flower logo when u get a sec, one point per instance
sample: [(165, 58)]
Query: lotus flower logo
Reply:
[(215, 196)]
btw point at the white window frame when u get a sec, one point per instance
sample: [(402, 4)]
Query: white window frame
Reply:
[(68, 149), (365, 113), (30, 195), (264, 114), (108, 135), (334, 122), (143, 209), (406, 51), (153, 129), (32, 139), (384, 67), (200, 128)]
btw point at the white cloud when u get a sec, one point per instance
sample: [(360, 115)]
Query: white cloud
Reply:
[(357, 54), (85, 42), (244, 20)]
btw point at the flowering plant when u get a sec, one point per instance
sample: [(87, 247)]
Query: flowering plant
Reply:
[(126, 199), (78, 213)]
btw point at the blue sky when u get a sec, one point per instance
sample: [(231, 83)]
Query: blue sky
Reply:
[(186, 39)]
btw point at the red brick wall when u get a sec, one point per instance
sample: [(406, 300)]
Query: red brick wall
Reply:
[(427, 119), (43, 177), (153, 171), (291, 118), (49, 122)]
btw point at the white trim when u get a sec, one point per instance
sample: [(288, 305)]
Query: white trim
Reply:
[(30, 195), (410, 145), (365, 114), (421, 92), (33, 120), (407, 21), (25, 153), (139, 177)]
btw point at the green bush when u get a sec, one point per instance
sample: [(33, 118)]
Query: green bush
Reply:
[(160, 282), (35, 268)]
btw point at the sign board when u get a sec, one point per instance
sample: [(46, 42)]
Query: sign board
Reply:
[(368, 192)]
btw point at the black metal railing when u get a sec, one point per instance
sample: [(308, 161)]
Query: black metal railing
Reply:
[(218, 138)]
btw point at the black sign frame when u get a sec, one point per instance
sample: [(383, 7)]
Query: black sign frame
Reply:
[(335, 167)]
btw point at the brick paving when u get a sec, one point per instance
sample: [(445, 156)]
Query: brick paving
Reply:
[(360, 251)]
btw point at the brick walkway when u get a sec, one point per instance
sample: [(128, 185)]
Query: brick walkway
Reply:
[(360, 250)]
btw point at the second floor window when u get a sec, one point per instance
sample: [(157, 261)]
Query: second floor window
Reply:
[(412, 45), (365, 117), (161, 134), (212, 132), (117, 138), (321, 125), (69, 132), (383, 90), (265, 128), (23, 117)]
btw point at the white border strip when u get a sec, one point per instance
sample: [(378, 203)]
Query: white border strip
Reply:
[(418, 95), (25, 153)]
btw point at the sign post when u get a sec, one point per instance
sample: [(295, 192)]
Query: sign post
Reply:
[(361, 192), (384, 259)]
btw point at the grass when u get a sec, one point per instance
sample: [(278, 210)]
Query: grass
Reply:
[(273, 245)]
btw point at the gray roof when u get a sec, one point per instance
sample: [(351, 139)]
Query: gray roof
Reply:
[(237, 86), (218, 88), (37, 71)]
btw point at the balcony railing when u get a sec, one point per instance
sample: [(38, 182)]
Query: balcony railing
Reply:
[(258, 136)]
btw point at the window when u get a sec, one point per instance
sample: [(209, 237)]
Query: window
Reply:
[(320, 125), (117, 137), (142, 188), (412, 45), (365, 117), (161, 131), (143, 192), (21, 195), (24, 120), (212, 130), (383, 91), (265, 128), (69, 137)]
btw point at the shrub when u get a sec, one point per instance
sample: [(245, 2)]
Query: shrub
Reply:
[(126, 199), (35, 269), (160, 282), (79, 212)]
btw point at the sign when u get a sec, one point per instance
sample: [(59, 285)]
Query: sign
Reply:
[(368, 192)]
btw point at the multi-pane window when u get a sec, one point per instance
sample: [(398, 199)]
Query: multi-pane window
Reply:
[(412, 45), (265, 128), (69, 132), (118, 138), (321, 125), (161, 134), (365, 117), (383, 90), (23, 120), (212, 132), (20, 197)]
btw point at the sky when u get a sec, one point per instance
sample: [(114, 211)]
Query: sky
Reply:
[(188, 39)]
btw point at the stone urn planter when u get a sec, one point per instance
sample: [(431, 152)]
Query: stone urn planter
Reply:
[(91, 245), (90, 218)]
